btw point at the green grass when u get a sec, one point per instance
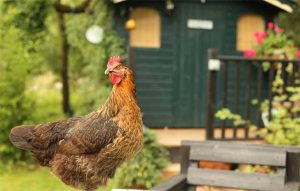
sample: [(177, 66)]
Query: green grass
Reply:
[(39, 179)]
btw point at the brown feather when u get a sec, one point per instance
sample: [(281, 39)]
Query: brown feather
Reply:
[(21, 136), (84, 152)]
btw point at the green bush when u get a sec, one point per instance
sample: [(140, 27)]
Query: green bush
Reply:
[(145, 170), (15, 106), (30, 46)]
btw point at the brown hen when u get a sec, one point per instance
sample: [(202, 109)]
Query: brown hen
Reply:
[(84, 152)]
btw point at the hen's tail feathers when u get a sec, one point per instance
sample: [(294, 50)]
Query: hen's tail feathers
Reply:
[(22, 136)]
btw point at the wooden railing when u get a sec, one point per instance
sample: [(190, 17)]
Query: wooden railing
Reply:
[(234, 81)]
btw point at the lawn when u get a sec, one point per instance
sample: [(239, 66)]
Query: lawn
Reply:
[(39, 179)]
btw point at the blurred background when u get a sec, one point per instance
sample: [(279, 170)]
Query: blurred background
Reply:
[(53, 54)]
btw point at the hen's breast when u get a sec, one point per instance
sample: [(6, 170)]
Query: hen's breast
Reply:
[(130, 132)]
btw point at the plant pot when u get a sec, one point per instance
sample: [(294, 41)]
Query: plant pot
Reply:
[(214, 165)]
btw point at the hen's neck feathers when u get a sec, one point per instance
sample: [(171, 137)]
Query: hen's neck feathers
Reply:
[(122, 94)]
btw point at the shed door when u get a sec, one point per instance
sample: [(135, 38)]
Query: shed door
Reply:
[(191, 59)]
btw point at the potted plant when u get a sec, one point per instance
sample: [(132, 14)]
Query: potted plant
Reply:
[(272, 43)]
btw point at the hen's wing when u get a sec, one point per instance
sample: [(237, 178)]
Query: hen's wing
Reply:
[(42, 136), (89, 135), (86, 134), (42, 140)]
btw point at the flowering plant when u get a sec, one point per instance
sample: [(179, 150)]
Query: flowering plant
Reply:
[(273, 43), (283, 125)]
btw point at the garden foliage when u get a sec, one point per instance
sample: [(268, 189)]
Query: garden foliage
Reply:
[(273, 43), (284, 126), (15, 64), (30, 47), (30, 54), (145, 170), (289, 21), (15, 106)]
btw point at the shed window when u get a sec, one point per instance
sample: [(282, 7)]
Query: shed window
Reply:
[(246, 27), (147, 31)]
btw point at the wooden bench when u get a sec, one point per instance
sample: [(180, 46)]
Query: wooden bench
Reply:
[(284, 158)]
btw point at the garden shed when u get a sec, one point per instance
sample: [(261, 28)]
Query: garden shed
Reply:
[(170, 49)]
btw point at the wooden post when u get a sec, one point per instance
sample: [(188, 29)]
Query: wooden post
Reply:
[(211, 97), (131, 57), (293, 166), (61, 9), (64, 66), (184, 161)]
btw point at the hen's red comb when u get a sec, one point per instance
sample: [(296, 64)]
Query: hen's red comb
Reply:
[(113, 59)]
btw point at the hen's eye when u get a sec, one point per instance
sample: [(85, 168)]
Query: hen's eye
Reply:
[(118, 67)]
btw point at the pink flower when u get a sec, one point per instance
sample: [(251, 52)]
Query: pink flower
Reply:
[(259, 40), (278, 29), (250, 53), (264, 34), (270, 25), (260, 36), (256, 34), (298, 53)]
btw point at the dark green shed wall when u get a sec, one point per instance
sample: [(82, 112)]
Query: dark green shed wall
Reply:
[(171, 81)]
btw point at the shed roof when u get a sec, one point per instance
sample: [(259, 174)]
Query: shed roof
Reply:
[(281, 4)]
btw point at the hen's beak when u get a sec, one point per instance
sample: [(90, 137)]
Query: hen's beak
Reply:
[(111, 68)]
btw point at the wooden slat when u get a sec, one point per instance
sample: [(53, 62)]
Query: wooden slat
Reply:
[(248, 96), (224, 90), (259, 94), (271, 77), (185, 161), (289, 149), (293, 74), (241, 58), (232, 179), (236, 154), (211, 97), (291, 186), (281, 171), (293, 167), (236, 94)]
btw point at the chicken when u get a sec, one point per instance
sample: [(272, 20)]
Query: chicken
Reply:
[(85, 151)]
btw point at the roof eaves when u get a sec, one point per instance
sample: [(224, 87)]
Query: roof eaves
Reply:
[(117, 1), (280, 5)]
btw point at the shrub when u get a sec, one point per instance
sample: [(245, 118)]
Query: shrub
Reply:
[(145, 170), (15, 106)]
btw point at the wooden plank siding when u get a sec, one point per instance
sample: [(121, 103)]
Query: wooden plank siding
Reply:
[(223, 153), (172, 80), (154, 77)]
